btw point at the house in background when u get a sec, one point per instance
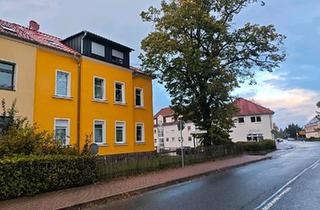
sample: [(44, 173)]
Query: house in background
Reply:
[(253, 122), (312, 129), (78, 86), (166, 133)]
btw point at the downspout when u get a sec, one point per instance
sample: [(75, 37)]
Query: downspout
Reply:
[(78, 59)]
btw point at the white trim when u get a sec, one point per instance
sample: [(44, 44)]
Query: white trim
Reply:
[(69, 84), (68, 128), (142, 130), (141, 97), (104, 128), (123, 92), (98, 49), (104, 89), (124, 141)]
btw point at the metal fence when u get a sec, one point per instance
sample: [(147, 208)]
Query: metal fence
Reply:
[(112, 166)]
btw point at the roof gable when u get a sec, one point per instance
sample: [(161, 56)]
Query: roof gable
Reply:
[(36, 37), (247, 107), (165, 112)]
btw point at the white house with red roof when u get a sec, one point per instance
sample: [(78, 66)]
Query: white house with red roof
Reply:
[(253, 122)]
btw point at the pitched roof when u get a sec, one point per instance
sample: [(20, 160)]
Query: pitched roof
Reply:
[(247, 107), (165, 112), (33, 36), (313, 122)]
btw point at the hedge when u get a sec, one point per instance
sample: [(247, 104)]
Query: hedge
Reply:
[(29, 175), (263, 145)]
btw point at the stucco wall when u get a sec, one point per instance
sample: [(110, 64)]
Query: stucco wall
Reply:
[(240, 132), (24, 56)]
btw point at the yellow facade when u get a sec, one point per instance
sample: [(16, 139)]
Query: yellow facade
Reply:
[(111, 112), (49, 107), (54, 84), (23, 56)]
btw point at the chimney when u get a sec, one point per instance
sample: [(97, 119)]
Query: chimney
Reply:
[(33, 25)]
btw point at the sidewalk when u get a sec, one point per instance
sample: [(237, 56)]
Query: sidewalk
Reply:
[(101, 191)]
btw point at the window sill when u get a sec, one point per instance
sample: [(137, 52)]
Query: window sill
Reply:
[(120, 103), (102, 145), (140, 107), (104, 101), (140, 143), (7, 89), (120, 144), (63, 97)]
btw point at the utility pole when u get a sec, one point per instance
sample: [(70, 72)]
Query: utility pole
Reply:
[(181, 140)]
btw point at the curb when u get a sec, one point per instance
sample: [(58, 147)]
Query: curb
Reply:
[(150, 188)]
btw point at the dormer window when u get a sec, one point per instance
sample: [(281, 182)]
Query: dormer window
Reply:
[(97, 49), (117, 56)]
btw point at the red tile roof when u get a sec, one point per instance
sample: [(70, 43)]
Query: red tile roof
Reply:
[(36, 37), (165, 112), (250, 108), (245, 107)]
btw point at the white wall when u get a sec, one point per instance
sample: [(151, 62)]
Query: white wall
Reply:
[(240, 132)]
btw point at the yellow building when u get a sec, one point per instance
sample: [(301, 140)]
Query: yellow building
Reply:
[(79, 87)]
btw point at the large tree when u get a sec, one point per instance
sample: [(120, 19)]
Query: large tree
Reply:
[(292, 129), (200, 55)]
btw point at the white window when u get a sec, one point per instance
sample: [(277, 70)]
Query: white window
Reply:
[(99, 131), (139, 97), (120, 132), (99, 88), (97, 49), (139, 132), (62, 131), (63, 83), (119, 94)]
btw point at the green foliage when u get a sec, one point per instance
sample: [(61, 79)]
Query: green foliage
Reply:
[(292, 129), (278, 132), (29, 175), (264, 145), (199, 55), (21, 138)]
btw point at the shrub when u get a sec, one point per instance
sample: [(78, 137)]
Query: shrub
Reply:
[(263, 145), (19, 137), (29, 175)]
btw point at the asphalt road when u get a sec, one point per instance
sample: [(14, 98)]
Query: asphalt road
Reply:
[(290, 180)]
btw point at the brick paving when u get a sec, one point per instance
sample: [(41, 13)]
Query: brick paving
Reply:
[(78, 195)]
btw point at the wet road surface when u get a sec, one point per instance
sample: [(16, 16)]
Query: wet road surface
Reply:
[(290, 180)]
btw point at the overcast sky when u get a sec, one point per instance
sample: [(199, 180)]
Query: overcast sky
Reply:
[(291, 91)]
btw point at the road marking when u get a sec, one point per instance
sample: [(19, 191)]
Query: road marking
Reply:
[(264, 203), (276, 199), (315, 166)]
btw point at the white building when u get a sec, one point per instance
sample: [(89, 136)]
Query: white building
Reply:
[(252, 123), (313, 128)]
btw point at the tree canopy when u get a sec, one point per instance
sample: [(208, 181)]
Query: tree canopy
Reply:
[(200, 55)]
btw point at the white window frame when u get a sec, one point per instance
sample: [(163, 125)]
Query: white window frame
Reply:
[(94, 89), (96, 48), (104, 127), (123, 92), (124, 141), (141, 96), (68, 128), (142, 130), (68, 85)]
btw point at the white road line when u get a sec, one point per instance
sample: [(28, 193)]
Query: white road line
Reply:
[(286, 185), (276, 199), (315, 166)]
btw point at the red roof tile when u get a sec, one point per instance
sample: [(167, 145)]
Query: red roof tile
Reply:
[(17, 31), (250, 108), (165, 112)]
